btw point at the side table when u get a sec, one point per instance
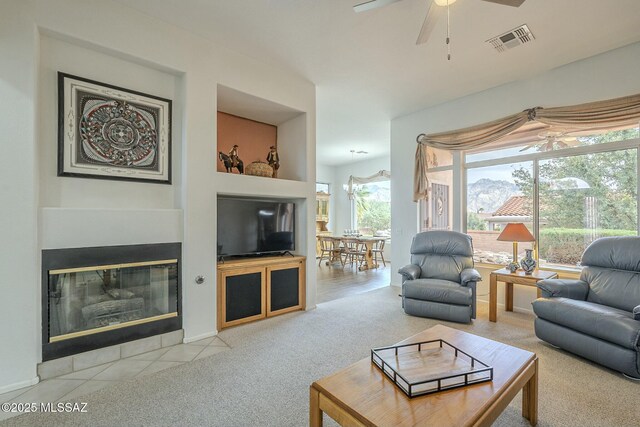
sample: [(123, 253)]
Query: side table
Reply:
[(509, 278)]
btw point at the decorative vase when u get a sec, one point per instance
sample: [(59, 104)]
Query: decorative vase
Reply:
[(513, 266), (528, 263)]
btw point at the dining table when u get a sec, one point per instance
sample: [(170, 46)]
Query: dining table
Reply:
[(367, 241)]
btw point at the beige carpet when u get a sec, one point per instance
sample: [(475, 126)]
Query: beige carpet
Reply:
[(264, 379)]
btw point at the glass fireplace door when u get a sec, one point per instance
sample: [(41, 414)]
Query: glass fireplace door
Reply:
[(87, 300)]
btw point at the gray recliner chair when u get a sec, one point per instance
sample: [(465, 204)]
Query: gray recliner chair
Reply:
[(598, 316), (440, 282)]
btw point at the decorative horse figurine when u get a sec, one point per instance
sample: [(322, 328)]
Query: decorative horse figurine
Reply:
[(228, 163)]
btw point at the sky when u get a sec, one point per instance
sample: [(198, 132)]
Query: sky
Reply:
[(496, 173)]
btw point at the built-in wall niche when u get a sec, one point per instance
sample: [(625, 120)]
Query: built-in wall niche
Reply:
[(254, 139), (255, 124)]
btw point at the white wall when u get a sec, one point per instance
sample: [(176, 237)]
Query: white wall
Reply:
[(57, 55), (604, 76), (19, 260), (292, 154), (109, 42)]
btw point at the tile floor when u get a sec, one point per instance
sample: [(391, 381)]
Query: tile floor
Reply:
[(72, 386)]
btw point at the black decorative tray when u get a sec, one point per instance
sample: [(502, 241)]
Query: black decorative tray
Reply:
[(429, 367)]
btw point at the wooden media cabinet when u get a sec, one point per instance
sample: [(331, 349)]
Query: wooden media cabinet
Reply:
[(257, 288)]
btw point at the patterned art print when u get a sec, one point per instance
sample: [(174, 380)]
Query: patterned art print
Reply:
[(113, 133)]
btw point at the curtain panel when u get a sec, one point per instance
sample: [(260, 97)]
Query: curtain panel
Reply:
[(601, 114)]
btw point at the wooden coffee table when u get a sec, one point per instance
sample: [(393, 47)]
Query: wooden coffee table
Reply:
[(361, 395)]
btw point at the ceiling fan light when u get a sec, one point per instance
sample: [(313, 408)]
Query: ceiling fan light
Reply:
[(444, 2)]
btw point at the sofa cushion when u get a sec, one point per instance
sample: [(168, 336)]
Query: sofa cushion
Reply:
[(600, 321), (442, 242), (438, 310), (437, 290), (615, 253), (615, 288), (437, 266)]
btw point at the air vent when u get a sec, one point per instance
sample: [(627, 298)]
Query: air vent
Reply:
[(512, 38)]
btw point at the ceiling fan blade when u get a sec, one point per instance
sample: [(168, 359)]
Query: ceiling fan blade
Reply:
[(372, 4), (429, 23), (514, 3)]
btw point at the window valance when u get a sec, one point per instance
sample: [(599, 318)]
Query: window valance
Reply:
[(382, 175), (601, 114)]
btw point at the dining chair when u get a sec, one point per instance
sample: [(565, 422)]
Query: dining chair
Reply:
[(330, 250), (353, 251), (378, 248)]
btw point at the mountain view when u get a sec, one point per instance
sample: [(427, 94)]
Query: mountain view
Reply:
[(378, 191), (487, 195)]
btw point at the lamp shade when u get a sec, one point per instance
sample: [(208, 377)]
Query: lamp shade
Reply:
[(516, 232)]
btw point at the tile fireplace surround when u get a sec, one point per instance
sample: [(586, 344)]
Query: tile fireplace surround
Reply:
[(104, 297), (81, 361)]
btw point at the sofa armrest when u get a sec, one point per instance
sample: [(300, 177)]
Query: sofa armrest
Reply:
[(469, 275), (410, 272), (566, 288), (636, 312)]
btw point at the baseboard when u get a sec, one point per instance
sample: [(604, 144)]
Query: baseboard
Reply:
[(516, 309), (520, 310), (200, 337), (21, 384)]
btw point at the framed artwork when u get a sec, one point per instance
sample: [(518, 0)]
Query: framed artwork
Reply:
[(109, 132)]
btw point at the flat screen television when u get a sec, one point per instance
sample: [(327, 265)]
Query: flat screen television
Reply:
[(255, 226)]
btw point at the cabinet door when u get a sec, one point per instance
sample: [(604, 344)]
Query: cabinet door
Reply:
[(285, 288), (242, 296)]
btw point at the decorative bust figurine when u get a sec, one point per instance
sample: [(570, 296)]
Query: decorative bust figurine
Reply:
[(274, 160)]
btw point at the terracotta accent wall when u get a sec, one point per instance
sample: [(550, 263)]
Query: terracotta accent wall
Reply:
[(253, 138)]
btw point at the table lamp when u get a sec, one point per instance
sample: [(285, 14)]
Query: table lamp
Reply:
[(515, 232)]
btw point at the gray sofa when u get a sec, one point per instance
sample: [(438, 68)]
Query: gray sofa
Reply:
[(594, 317), (440, 282)]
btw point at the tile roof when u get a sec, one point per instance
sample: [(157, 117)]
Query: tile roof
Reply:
[(514, 206)]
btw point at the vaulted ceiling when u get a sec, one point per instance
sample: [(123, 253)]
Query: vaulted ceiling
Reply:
[(367, 67)]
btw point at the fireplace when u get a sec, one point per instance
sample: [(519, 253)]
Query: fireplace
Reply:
[(102, 296)]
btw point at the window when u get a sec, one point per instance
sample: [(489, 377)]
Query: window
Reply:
[(437, 212), (496, 196), (321, 187), (583, 198), (569, 188), (373, 208)]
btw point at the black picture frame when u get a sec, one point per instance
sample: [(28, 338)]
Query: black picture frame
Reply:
[(125, 134)]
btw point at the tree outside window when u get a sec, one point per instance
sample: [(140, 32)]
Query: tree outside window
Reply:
[(583, 198), (373, 209), (587, 191)]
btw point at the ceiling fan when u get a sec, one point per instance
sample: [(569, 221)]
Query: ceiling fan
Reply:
[(435, 10), (553, 140)]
